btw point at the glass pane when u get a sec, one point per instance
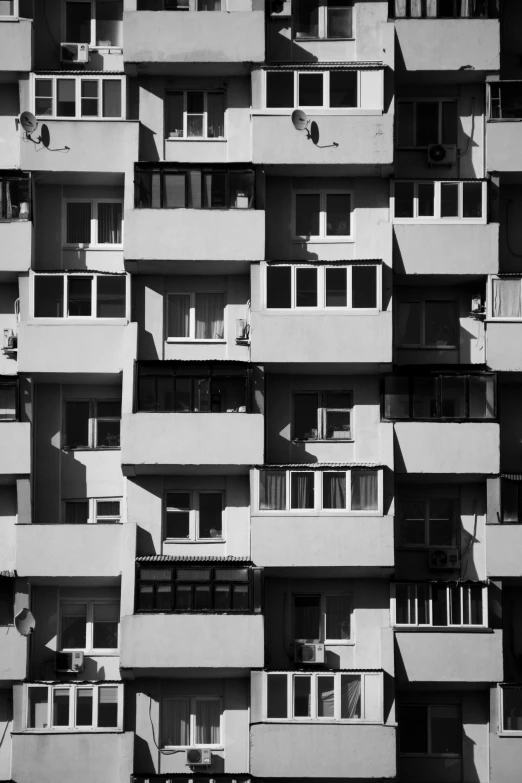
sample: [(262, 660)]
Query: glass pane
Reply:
[(105, 626), (405, 124), (8, 399), (208, 715), (302, 693), (178, 315), (506, 299), (6, 8), (338, 21), (107, 508), (307, 617), (108, 435), (439, 605), (202, 598), (306, 287), (109, 22), (481, 397), (61, 706), (413, 525), (174, 115), (404, 194), (210, 511), (174, 195), (472, 199), (302, 490), (195, 125), (409, 323), (512, 708), (145, 598), (307, 208), (84, 706), (77, 424), (215, 190), (279, 286), (77, 512), (79, 296), (473, 604), (215, 115), (66, 97), (109, 224), (241, 189), (450, 119), (164, 598), (449, 199), (334, 490), (43, 97), (17, 199), (350, 696), (78, 22), (38, 708), (325, 697), (338, 214), (396, 397), (277, 698), (177, 524), (338, 425), (310, 89), (89, 96), (175, 724), (78, 222), (110, 301), (343, 88), (445, 729), (74, 626), (441, 324), (455, 595), (108, 707), (413, 729), (338, 616), (336, 287), (364, 490), (272, 490), (423, 604), (364, 286), (280, 89), (511, 501), (424, 398), (453, 397), (209, 314), (426, 195), (405, 613), (305, 416), (240, 598), (427, 116), (306, 19), (223, 598), (112, 98), (442, 525)]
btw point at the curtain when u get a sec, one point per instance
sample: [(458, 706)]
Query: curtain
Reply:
[(334, 490), (209, 316), (400, 8), (78, 223), (307, 617), (272, 487), (431, 8), (465, 7), (364, 490), (350, 696), (176, 722), (178, 315), (416, 8), (109, 223), (207, 722), (325, 697), (506, 299), (302, 490)]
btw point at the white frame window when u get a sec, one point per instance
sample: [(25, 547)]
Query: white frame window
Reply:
[(93, 515), (73, 688), (93, 44), (318, 480), (90, 76), (204, 114), (14, 13), (93, 430), (324, 599), (192, 296), (323, 18), (324, 408), (510, 300), (90, 621), (323, 236), (412, 124), (326, 79), (512, 727), (430, 708), (437, 207), (322, 272), (193, 702), (193, 511), (370, 697), (94, 219), (419, 605), (494, 102), (93, 276)]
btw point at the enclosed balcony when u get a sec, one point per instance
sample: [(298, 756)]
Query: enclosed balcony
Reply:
[(503, 128), (16, 228), (206, 32), (16, 39), (504, 323), (504, 520), (13, 646)]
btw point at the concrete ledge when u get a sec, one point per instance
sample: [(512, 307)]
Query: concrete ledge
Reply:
[(16, 45), (504, 345), (453, 656), (503, 547), (442, 249), (446, 447), (16, 243), (15, 448)]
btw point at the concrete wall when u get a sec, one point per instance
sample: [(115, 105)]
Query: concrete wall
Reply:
[(9, 134), (371, 438), (13, 657), (195, 234), (151, 440), (233, 757), (164, 37), (503, 345), (444, 447), (503, 547), (440, 249), (319, 751), (16, 45), (15, 448), (448, 44), (150, 296), (150, 642), (73, 756), (6, 724), (503, 146), (16, 242), (146, 504), (45, 642)]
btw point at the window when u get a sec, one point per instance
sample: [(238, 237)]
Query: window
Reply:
[(332, 696), (9, 8), (421, 122), (94, 22), (336, 89), (92, 424), (78, 706), (326, 19), (194, 516), (452, 9), (511, 708), (511, 499), (195, 114), (436, 201), (439, 604), (171, 187), (91, 295), (93, 223), (91, 626), (428, 323), (79, 97), (440, 397), (6, 600), (209, 389), (325, 618), (188, 5), (189, 722), (428, 522), (322, 416), (343, 490), (506, 297), (92, 510), (15, 195), (322, 216), (505, 100), (429, 730), (352, 287), (8, 398), (191, 589), (195, 316)]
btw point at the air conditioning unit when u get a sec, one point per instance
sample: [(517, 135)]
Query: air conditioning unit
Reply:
[(74, 52), (446, 559), (308, 652), (69, 662), (198, 757), (442, 154)]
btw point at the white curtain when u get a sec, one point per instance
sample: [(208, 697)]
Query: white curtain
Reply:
[(302, 490), (78, 223), (109, 223), (209, 316), (334, 490), (431, 7), (178, 315), (400, 8), (506, 298), (207, 722), (416, 8), (364, 490), (272, 490), (350, 696), (176, 722)]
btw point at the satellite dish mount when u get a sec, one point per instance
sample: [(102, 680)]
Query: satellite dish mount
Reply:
[(302, 123), (29, 124), (24, 622)]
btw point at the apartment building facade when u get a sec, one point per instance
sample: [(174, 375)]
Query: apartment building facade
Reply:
[(261, 475)]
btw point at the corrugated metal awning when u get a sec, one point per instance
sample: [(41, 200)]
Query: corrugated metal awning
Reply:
[(320, 465), (191, 559), (351, 65), (511, 476)]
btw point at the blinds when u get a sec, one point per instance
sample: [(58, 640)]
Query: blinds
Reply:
[(109, 223), (109, 695)]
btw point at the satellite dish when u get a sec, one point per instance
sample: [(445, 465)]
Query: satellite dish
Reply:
[(24, 622), (299, 119), (45, 136), (314, 132), (28, 122)]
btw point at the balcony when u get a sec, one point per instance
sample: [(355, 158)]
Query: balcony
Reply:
[(15, 453), (78, 756), (446, 249), (195, 234), (156, 39), (503, 543), (448, 44), (503, 345), (83, 146), (226, 642), (16, 239), (451, 656), (447, 447), (13, 655), (16, 44), (293, 750)]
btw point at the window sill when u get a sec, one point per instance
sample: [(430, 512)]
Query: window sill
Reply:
[(337, 311), (193, 341), (47, 118), (322, 440), (504, 119), (443, 629), (319, 39), (319, 111), (194, 541), (508, 734), (63, 730), (322, 240), (426, 347), (91, 448), (199, 139), (504, 524), (78, 321), (322, 721), (492, 320), (15, 220), (219, 748), (93, 247), (93, 653), (10, 19), (425, 221), (106, 49), (318, 513)]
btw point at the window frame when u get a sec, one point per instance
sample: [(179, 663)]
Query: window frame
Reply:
[(428, 753), (12, 382), (422, 300), (93, 424), (323, 597), (205, 136), (192, 722), (426, 545), (193, 537), (489, 100), (73, 687), (92, 245), (181, 169), (438, 378), (416, 101), (65, 300), (437, 219), (314, 110), (430, 625), (93, 46), (14, 176), (322, 9), (322, 237), (191, 338), (89, 649), (98, 76), (393, 17), (500, 692), (93, 517), (15, 15), (322, 411), (490, 296)]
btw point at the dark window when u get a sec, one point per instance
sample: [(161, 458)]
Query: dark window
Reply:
[(426, 195), (511, 501), (336, 287), (78, 223), (76, 512), (364, 286), (78, 22), (6, 600), (210, 513), (207, 389), (306, 416), (413, 728), (277, 696), (306, 18), (427, 120), (77, 419), (506, 100), (177, 521), (110, 297), (472, 199), (339, 18), (15, 197), (428, 323), (89, 97), (65, 97), (280, 89), (109, 19), (338, 206), (440, 396), (421, 123), (307, 213), (306, 287), (194, 589), (511, 708), (307, 617), (449, 199), (79, 296), (171, 188), (404, 195), (8, 399), (48, 296), (279, 286), (310, 89), (111, 98), (108, 420), (302, 490)]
